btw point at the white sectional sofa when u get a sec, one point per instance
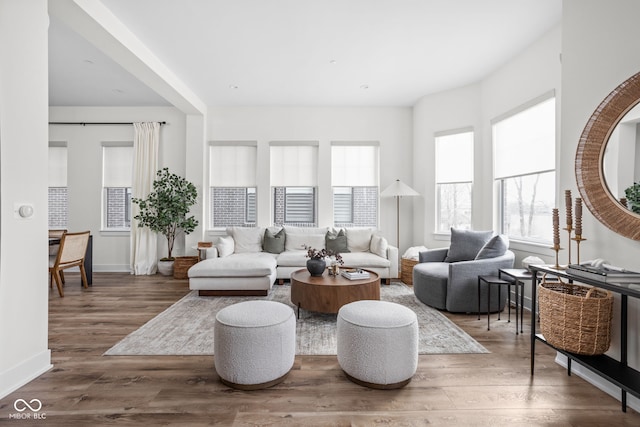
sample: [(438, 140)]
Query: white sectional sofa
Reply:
[(248, 261)]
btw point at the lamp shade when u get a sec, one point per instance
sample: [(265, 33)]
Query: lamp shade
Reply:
[(398, 188)]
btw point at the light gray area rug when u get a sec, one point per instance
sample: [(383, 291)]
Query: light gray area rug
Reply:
[(186, 328)]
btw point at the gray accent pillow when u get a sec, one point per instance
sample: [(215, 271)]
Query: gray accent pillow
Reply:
[(465, 244), (495, 247), (336, 241), (273, 243)]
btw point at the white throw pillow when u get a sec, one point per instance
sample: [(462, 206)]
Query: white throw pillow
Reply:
[(359, 239), (296, 242), (379, 246), (297, 237), (305, 230), (246, 239), (225, 246)]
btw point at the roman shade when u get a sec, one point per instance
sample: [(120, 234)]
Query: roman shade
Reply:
[(454, 154), (354, 165), (294, 165), (57, 165), (232, 165), (524, 140), (117, 170)]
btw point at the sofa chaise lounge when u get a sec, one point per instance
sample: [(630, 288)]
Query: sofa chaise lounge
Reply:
[(248, 261)]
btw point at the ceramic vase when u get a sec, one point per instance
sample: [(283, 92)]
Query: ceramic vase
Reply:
[(316, 266), (165, 267)]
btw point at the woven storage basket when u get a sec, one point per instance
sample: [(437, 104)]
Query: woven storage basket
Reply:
[(406, 270), (182, 264), (575, 318)]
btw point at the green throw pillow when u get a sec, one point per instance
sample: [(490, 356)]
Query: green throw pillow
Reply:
[(273, 243), (336, 242)]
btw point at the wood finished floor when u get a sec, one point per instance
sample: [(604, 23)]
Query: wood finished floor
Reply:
[(85, 388)]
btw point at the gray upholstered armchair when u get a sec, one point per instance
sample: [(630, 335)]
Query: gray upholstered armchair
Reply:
[(447, 278)]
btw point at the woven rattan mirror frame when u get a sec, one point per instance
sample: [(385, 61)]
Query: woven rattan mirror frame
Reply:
[(590, 153)]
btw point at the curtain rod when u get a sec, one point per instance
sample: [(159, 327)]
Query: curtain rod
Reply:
[(97, 123)]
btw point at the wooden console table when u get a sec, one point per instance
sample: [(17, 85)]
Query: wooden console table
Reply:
[(616, 371)]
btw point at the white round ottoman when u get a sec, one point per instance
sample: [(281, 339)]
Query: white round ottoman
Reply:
[(254, 344), (378, 343)]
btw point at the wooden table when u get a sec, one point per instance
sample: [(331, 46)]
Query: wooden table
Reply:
[(326, 294)]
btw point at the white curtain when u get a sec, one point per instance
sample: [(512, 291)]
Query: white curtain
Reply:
[(144, 251)]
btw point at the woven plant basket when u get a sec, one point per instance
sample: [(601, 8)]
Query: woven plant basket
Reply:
[(182, 265), (575, 318), (406, 270)]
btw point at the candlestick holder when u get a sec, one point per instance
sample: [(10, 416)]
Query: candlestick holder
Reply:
[(578, 239), (557, 249), (569, 229)]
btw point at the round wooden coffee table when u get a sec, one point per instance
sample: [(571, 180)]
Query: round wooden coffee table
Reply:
[(326, 294)]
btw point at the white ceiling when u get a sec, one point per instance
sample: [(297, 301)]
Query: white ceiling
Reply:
[(301, 52)]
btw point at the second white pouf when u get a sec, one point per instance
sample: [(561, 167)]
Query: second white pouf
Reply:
[(254, 344), (378, 343)]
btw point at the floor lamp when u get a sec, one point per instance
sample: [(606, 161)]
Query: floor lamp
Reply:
[(397, 190)]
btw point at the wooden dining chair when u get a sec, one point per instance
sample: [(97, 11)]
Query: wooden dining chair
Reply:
[(53, 236), (73, 247), (54, 246)]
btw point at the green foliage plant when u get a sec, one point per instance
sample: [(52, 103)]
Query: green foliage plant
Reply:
[(632, 194), (165, 209)]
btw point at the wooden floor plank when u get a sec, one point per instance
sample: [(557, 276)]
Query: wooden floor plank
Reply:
[(86, 388)]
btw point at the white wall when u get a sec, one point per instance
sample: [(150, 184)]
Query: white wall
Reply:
[(532, 73), (445, 111), (84, 168), (599, 51), (24, 289), (391, 127)]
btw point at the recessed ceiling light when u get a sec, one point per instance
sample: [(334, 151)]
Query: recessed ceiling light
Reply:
[(333, 61), (233, 87), (364, 87)]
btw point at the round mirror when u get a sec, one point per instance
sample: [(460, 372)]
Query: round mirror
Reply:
[(590, 160)]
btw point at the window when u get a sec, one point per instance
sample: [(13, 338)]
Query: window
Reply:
[(342, 205), (524, 153), (232, 180), (294, 178), (354, 177), (58, 196), (117, 178), (299, 205), (454, 180)]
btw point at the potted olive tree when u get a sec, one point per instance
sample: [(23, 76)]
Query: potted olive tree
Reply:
[(165, 211)]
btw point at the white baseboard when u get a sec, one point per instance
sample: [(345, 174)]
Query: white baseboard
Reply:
[(597, 381), (111, 268), (21, 374), (104, 268)]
